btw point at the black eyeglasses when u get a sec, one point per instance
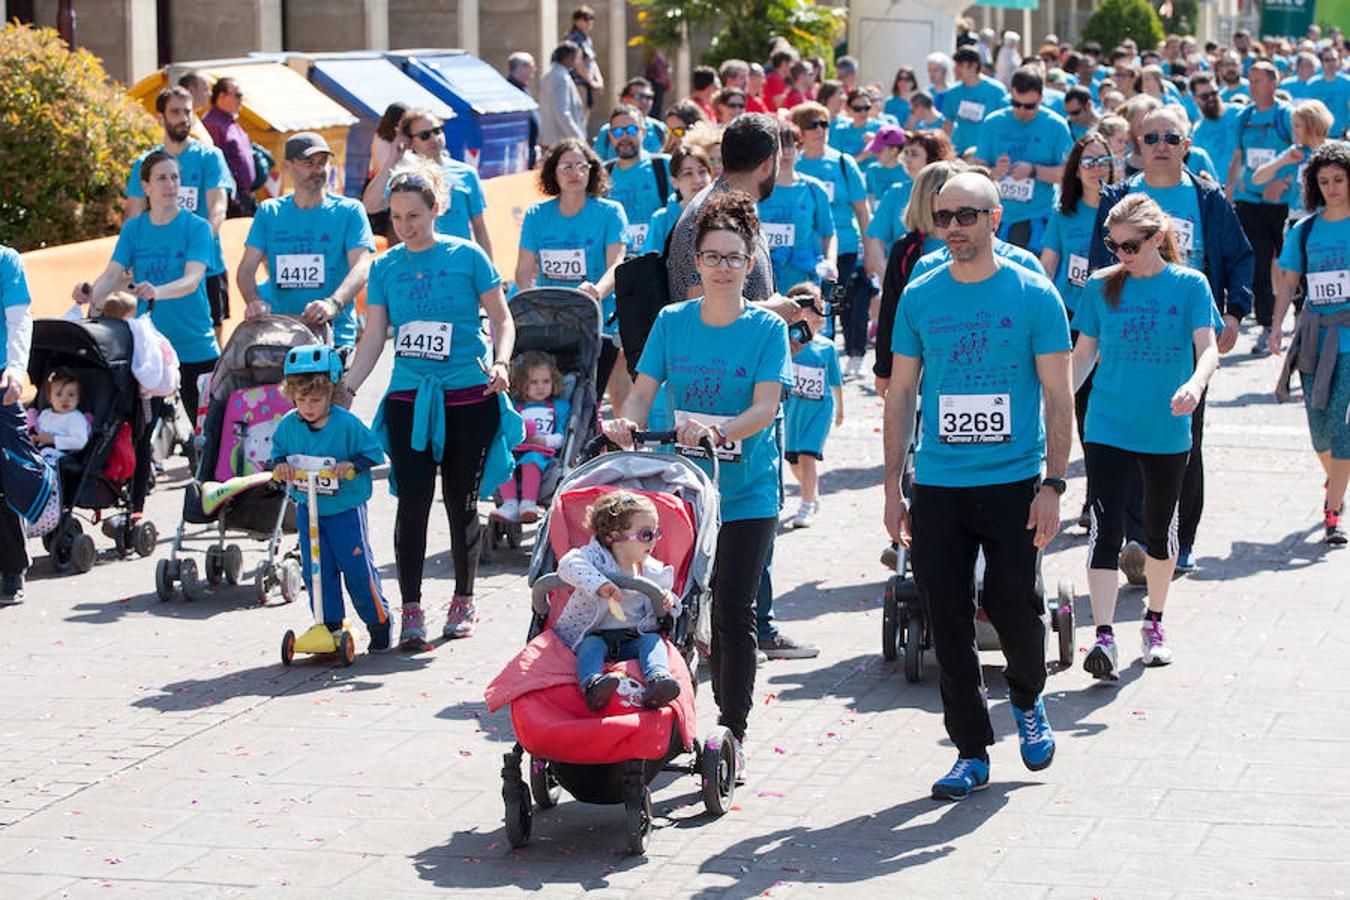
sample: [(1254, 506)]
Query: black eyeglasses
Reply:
[(734, 105), (1129, 248), (861, 109), (966, 215), (1173, 139), (1071, 113), (1016, 105), (712, 259), (822, 124), (425, 135)]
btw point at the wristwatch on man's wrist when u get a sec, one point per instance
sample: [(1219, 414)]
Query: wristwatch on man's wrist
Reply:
[(1055, 484)]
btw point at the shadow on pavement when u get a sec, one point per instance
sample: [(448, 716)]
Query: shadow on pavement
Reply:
[(496, 725), (213, 601), (1247, 558)]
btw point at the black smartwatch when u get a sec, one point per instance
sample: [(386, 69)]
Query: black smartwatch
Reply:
[(1055, 484)]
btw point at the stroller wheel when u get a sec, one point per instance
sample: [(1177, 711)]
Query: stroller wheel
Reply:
[(292, 580), (187, 577), (164, 580), (1062, 622), (639, 815), (264, 581), (717, 768), (144, 537), (83, 553), (890, 622), (287, 647), (347, 648), (518, 817), (233, 560), (514, 534), (215, 569), (543, 786)]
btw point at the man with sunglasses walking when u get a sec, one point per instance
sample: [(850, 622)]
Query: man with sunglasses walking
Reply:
[(639, 181), (1025, 147), (637, 93), (987, 340), (1211, 238)]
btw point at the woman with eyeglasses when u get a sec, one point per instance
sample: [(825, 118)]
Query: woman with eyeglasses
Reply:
[(444, 411), (577, 240), (422, 135), (796, 220), (852, 133), (680, 118), (1147, 326), (725, 363), (904, 85), (844, 185), (1315, 255)]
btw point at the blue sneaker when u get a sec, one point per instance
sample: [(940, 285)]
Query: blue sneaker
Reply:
[(1036, 735), (969, 774), (1186, 560)]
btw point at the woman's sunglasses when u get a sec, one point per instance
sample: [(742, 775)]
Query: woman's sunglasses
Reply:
[(642, 535), (426, 135), (1095, 162), (822, 124), (1129, 248)]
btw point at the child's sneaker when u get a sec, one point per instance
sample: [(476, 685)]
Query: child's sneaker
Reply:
[(1101, 660), (660, 690), (529, 512), (599, 688), (1035, 735), (412, 633), (509, 511), (462, 618), (967, 775), (379, 638), (738, 750), (806, 514), (1156, 652), (1332, 520)]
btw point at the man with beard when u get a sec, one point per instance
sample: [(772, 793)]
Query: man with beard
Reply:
[(317, 246), (637, 93), (1231, 82), (639, 181), (987, 340), (204, 187), (1216, 132)]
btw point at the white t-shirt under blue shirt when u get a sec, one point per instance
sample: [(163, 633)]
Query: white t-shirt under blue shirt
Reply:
[(710, 373), (981, 420), (1147, 349)]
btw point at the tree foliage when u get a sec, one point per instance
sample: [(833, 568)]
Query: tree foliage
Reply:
[(1182, 16), (741, 29), (68, 137), (1116, 20)]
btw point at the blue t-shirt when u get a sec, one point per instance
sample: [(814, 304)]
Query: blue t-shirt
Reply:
[(307, 251), (466, 200), (200, 168), (1011, 252), (1328, 251), (571, 249), (1297, 89), (1147, 349), (711, 373), (634, 189), (887, 223), (1261, 137), (1044, 141), (1182, 203), (844, 186), (981, 420), (159, 254), (1070, 236), (848, 138), (881, 179), (1240, 90), (968, 107), (1336, 95), (13, 292), (432, 299), (343, 438), (808, 412), (1219, 137), (794, 220), (899, 108), (663, 220)]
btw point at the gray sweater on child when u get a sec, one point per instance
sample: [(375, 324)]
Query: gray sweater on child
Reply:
[(587, 569)]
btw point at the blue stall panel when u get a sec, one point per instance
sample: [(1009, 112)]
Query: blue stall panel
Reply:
[(493, 124)]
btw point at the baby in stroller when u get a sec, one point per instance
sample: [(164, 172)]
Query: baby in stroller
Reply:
[(537, 390), (61, 427), (601, 620)]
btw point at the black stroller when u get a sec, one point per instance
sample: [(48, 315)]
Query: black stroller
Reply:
[(563, 322), (99, 353)]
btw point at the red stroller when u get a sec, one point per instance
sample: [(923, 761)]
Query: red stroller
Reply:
[(611, 756)]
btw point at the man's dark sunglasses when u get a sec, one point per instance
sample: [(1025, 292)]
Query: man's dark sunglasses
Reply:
[(966, 215), (1173, 139)]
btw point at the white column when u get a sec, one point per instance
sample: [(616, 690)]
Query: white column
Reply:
[(377, 23), (468, 26), (684, 72), (141, 40), (548, 32), (267, 24), (616, 66), (1028, 45)]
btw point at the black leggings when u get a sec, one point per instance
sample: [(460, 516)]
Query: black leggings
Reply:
[(1192, 503), (469, 431), (1264, 225), (742, 547), (1109, 471), (854, 323), (13, 542), (951, 527)]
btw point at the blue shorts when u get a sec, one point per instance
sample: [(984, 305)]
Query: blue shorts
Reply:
[(1328, 427)]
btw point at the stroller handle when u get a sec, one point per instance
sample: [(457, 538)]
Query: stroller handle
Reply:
[(553, 582), (602, 444)]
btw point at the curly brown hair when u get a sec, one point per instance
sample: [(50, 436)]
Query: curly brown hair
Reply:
[(597, 181), (613, 513), (527, 362), (728, 211)]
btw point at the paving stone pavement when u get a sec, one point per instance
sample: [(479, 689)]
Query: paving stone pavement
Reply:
[(160, 749)]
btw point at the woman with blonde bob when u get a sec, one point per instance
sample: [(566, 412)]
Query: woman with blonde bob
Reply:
[(1147, 325)]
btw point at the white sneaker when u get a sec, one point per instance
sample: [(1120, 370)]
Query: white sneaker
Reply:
[(855, 365), (1132, 560), (806, 514), (509, 511), (1156, 652), (1101, 661), (528, 512)]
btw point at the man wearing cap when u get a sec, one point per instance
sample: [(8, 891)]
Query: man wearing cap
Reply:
[(317, 246)]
